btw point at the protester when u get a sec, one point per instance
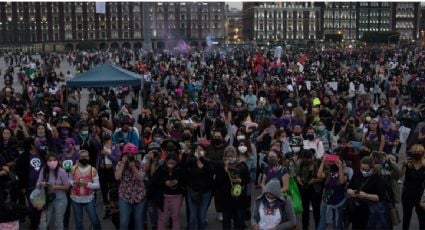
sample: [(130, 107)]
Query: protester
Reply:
[(310, 187), (333, 200), (130, 173), (169, 188), (84, 182), (199, 187), (54, 180), (272, 210), (413, 186)]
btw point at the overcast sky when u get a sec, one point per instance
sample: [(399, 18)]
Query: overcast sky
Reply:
[(235, 5)]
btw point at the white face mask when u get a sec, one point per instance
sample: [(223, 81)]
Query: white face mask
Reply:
[(242, 149), (296, 149), (240, 137), (270, 200)]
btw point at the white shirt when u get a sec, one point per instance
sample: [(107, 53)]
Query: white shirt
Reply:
[(268, 221), (317, 145)]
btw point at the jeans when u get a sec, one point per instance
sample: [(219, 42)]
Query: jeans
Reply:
[(55, 210), (198, 210), (337, 218), (90, 208), (126, 209), (379, 215), (150, 213), (172, 205)]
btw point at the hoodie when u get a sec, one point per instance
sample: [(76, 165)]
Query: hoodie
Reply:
[(288, 219)]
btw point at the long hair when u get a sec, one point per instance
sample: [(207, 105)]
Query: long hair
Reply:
[(46, 168)]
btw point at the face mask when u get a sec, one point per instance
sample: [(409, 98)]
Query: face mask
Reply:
[(83, 161), (239, 104), (216, 141), (240, 137), (272, 162), (84, 133), (417, 157), (366, 174), (201, 153), (41, 134), (270, 200), (296, 149), (146, 135), (157, 139), (67, 149), (125, 129), (52, 164), (64, 132), (287, 117), (242, 149), (231, 160), (54, 114), (321, 128), (310, 137)]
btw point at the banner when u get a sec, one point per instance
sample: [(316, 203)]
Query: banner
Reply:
[(100, 7)]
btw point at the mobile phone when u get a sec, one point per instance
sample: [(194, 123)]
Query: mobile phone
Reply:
[(331, 158)]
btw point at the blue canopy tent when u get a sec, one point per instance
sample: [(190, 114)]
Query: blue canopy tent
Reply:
[(106, 75)]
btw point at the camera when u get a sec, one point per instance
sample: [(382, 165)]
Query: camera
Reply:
[(131, 158)]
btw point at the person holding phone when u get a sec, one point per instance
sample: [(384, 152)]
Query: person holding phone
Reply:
[(130, 172), (413, 186), (54, 180), (358, 211), (333, 199)]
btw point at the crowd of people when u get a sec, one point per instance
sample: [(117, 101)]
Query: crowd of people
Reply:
[(311, 130)]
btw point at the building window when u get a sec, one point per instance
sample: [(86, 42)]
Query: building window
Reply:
[(68, 35), (103, 34), (137, 34), (114, 34), (91, 35)]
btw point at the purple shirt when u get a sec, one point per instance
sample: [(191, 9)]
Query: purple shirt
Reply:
[(61, 179)]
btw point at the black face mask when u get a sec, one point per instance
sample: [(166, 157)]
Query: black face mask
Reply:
[(310, 137), (417, 157), (216, 141), (147, 134), (84, 161)]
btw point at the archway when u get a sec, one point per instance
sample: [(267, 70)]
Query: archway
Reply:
[(137, 46), (115, 45), (126, 45), (103, 46)]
